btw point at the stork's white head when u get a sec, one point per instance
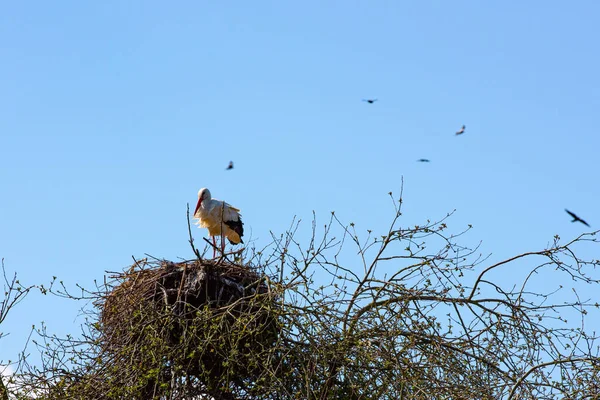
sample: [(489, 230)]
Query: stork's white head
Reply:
[(203, 195)]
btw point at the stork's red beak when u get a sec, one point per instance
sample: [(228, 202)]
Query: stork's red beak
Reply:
[(198, 206)]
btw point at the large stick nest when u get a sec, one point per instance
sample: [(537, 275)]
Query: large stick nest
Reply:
[(201, 318)]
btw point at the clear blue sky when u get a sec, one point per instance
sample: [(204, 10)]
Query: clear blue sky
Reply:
[(113, 114)]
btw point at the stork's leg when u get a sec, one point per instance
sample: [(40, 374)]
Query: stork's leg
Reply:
[(222, 244), (214, 247)]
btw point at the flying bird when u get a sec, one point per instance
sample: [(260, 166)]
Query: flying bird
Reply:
[(462, 130), (576, 218), (422, 160), (220, 218), (230, 166), (370, 101)]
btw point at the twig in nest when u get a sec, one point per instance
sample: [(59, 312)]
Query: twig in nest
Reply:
[(191, 240), (182, 280), (211, 245)]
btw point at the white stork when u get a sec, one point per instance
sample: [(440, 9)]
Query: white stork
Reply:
[(220, 218)]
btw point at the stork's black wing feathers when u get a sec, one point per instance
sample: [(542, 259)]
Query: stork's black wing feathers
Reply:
[(237, 227)]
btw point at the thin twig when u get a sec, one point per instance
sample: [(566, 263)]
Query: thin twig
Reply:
[(191, 238)]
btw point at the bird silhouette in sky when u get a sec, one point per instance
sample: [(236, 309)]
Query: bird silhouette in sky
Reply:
[(422, 160), (230, 166), (370, 101), (462, 130), (576, 218)]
